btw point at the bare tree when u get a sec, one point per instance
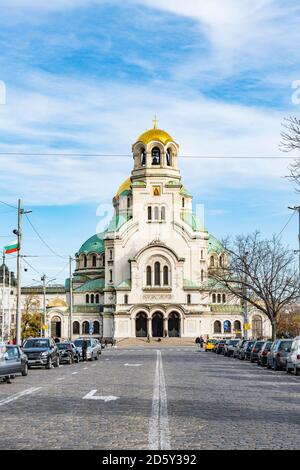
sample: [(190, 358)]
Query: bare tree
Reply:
[(260, 272), (291, 141)]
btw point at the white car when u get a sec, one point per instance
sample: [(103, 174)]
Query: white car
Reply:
[(293, 358)]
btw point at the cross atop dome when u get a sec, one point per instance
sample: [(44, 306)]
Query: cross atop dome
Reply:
[(155, 120)]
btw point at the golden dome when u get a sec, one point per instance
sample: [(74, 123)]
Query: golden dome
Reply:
[(125, 186), (155, 134), (57, 302)]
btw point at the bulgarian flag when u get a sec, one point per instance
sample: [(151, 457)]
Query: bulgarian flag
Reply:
[(11, 248)]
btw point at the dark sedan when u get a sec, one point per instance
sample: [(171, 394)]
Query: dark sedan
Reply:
[(256, 348), (263, 353), (12, 361), (245, 350), (220, 346), (41, 352), (68, 353), (278, 354)]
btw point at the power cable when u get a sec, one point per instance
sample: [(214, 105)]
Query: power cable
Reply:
[(42, 240)]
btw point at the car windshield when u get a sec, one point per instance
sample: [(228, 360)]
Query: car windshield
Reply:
[(36, 343), (285, 345), (78, 342), (64, 346), (233, 342)]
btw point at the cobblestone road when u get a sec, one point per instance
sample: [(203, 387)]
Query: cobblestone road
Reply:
[(170, 398)]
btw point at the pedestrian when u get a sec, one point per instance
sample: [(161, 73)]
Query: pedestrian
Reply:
[(84, 349), (197, 341), (148, 338), (201, 341)]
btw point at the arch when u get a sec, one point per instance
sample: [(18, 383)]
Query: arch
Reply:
[(156, 155), (217, 326), (169, 157), (157, 273), (188, 299), (202, 275), (257, 326), (149, 213), (85, 328), (141, 325), (227, 326), (84, 261), (219, 298), (97, 299), (143, 156), (96, 325), (94, 261), (76, 328), (163, 213), (237, 327), (92, 299), (174, 324), (87, 298), (156, 213), (166, 275), (224, 298), (126, 299), (157, 325), (222, 260), (214, 298), (212, 261), (56, 327)]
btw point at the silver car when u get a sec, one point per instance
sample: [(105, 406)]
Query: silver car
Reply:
[(92, 352)]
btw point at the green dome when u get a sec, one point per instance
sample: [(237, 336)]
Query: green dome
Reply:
[(214, 245), (95, 244)]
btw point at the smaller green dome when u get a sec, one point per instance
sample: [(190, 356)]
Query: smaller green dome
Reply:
[(214, 245), (95, 244)]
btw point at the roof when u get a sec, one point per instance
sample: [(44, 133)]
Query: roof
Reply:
[(215, 245), (124, 188), (117, 221), (57, 302), (93, 285), (155, 135), (94, 244), (192, 220)]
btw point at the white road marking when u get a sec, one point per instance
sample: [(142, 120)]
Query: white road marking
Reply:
[(85, 368), (19, 395), (159, 434), (91, 396), (107, 359), (60, 378), (74, 373), (132, 365)]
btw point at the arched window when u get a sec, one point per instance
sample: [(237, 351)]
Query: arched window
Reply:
[(227, 326), (97, 298), (149, 213), (188, 299), (201, 254), (237, 326), (155, 156), (222, 261), (166, 276), (110, 254), (217, 327), (157, 273), (149, 276), (85, 328), (87, 299), (163, 213), (94, 261), (84, 261), (214, 298), (212, 261), (143, 157), (182, 202), (257, 330), (202, 275), (128, 203), (168, 157), (110, 275), (76, 328), (156, 213), (219, 299), (126, 299), (92, 298), (224, 298), (96, 328)]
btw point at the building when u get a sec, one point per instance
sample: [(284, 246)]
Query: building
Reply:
[(8, 301), (148, 273)]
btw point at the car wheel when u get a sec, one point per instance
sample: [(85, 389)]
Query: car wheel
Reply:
[(275, 365), (25, 370), (296, 371), (288, 370), (49, 363)]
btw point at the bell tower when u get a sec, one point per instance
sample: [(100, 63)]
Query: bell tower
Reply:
[(155, 154)]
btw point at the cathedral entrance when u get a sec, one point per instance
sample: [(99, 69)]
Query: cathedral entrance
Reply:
[(174, 325), (157, 325), (141, 325), (55, 327)]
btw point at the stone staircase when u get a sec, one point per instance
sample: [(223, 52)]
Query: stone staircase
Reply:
[(165, 342)]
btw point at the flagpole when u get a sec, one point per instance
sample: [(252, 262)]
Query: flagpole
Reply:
[(8, 321), (18, 319)]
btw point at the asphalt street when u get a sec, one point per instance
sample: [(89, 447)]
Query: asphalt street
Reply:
[(168, 398)]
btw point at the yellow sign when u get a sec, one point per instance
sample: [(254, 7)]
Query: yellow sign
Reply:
[(45, 327), (156, 190), (247, 326)]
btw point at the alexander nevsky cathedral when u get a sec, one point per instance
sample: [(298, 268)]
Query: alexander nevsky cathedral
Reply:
[(148, 273)]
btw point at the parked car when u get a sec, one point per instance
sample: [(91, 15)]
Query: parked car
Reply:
[(220, 346), (256, 348), (12, 361), (41, 352), (245, 350), (229, 347), (92, 350), (210, 344), (277, 357), (293, 357), (99, 345), (68, 353), (263, 353), (238, 347)]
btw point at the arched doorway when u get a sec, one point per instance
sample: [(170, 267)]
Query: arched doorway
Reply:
[(55, 327), (157, 325), (141, 325), (257, 326), (174, 325)]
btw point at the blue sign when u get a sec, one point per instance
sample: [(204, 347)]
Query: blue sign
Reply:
[(227, 326)]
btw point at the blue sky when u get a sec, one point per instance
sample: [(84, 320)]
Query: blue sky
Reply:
[(89, 75)]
